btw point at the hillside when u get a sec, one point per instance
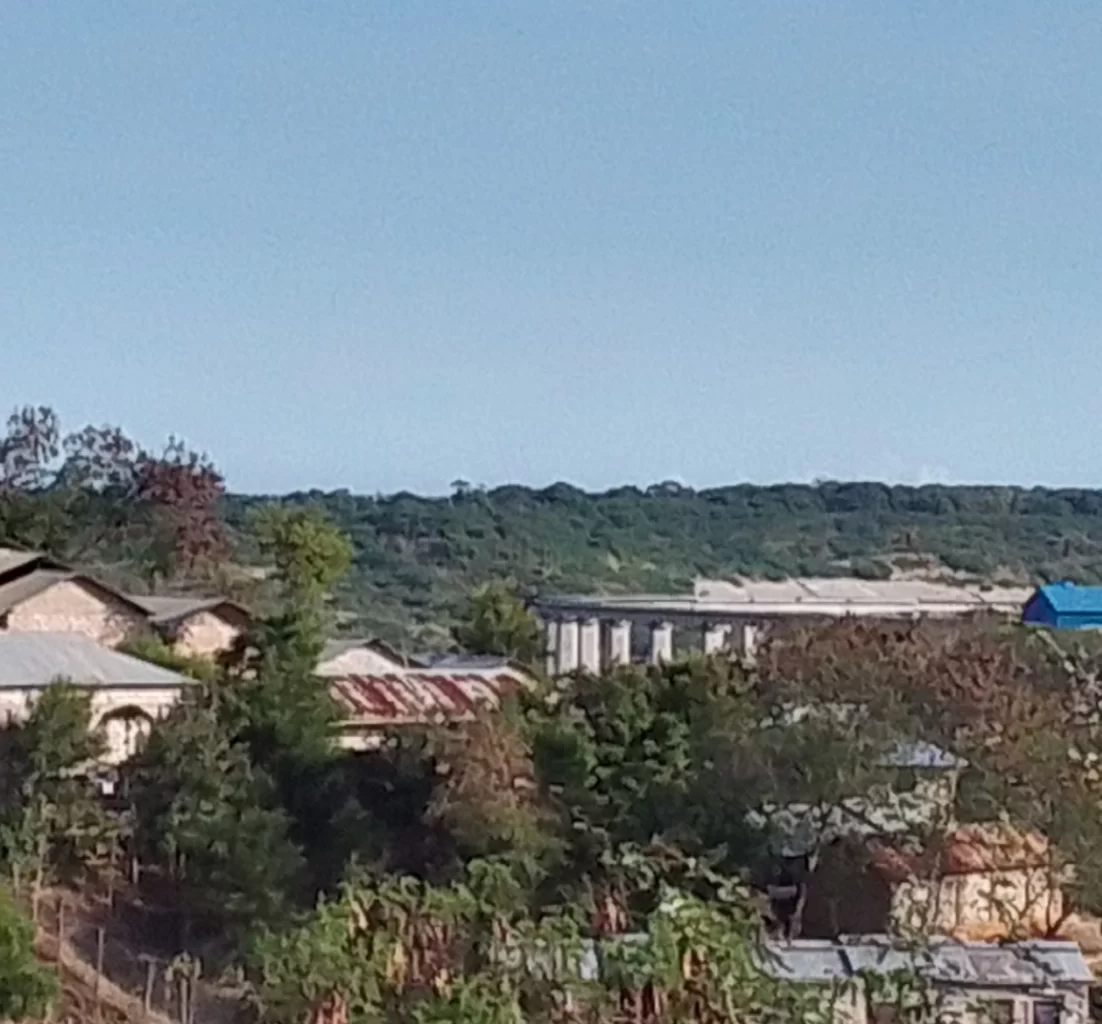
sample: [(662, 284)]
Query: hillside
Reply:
[(416, 558)]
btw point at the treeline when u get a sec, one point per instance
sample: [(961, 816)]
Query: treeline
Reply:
[(161, 518), (416, 557)]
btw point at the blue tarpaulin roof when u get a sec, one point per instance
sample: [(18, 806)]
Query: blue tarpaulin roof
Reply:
[(1070, 599)]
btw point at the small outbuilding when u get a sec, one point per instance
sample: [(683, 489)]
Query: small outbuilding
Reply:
[(1064, 606)]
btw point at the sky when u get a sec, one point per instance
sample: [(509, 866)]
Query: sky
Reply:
[(386, 244)]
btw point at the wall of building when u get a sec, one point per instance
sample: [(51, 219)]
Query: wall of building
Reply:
[(205, 634), (73, 607), (981, 906), (111, 708), (359, 661)]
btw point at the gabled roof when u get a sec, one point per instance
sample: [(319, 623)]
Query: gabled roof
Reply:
[(1071, 599), (23, 587), (166, 610), (418, 696), (13, 562), (38, 659)]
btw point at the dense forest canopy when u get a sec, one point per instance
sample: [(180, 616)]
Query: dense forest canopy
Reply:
[(162, 519), (415, 558)]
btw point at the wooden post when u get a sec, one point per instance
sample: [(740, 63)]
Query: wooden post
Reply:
[(60, 930), (101, 940), (150, 974)]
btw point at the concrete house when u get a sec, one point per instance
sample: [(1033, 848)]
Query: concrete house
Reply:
[(979, 882), (128, 695), (964, 982), (198, 627), (377, 688), (39, 594), (1064, 606)]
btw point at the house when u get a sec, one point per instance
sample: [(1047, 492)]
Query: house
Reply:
[(864, 980), (1064, 606), (128, 694), (978, 882), (376, 688), (198, 627), (39, 594)]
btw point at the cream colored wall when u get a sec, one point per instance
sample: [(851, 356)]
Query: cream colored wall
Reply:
[(107, 702), (981, 906), (205, 634), (360, 661), (71, 607)]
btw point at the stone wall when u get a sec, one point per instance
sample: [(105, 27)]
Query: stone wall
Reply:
[(72, 606), (124, 713), (205, 634)]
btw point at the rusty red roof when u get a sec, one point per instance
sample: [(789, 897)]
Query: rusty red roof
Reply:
[(419, 696)]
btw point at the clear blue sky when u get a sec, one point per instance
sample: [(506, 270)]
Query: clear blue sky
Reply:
[(383, 244)]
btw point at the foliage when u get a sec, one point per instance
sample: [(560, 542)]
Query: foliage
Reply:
[(50, 816), (496, 622), (154, 650), (27, 988), (210, 822), (401, 950)]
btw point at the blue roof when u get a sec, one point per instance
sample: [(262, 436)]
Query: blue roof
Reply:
[(1070, 599)]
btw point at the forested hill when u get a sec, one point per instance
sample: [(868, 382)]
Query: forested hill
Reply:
[(416, 558)]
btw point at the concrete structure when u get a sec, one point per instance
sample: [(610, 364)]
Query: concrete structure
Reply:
[(198, 627), (1036, 982), (41, 595), (128, 694), (379, 688), (1064, 606), (978, 883), (723, 615)]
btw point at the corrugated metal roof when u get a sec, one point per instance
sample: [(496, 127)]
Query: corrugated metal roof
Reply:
[(418, 695), (12, 558), (169, 609), (38, 659), (1070, 599), (1013, 965), (479, 662), (22, 588)]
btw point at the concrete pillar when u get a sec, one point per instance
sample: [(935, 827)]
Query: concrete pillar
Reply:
[(551, 645), (590, 646), (661, 642), (619, 642), (567, 651), (716, 637), (748, 642)]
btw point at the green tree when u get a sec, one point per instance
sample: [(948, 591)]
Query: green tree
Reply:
[(50, 812), (27, 988), (497, 622), (210, 822)]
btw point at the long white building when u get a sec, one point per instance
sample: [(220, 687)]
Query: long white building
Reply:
[(591, 633)]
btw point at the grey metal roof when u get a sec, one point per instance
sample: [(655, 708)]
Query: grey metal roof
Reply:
[(1030, 964), (461, 661), (22, 588), (169, 609), (800, 597), (38, 659), (11, 558)]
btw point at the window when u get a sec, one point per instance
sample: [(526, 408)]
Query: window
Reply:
[(997, 1011), (1047, 1011)]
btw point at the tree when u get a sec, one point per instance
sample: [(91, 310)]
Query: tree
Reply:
[(497, 622), (50, 814), (27, 988), (210, 822)]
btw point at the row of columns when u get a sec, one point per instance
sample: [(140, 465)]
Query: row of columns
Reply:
[(593, 644)]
